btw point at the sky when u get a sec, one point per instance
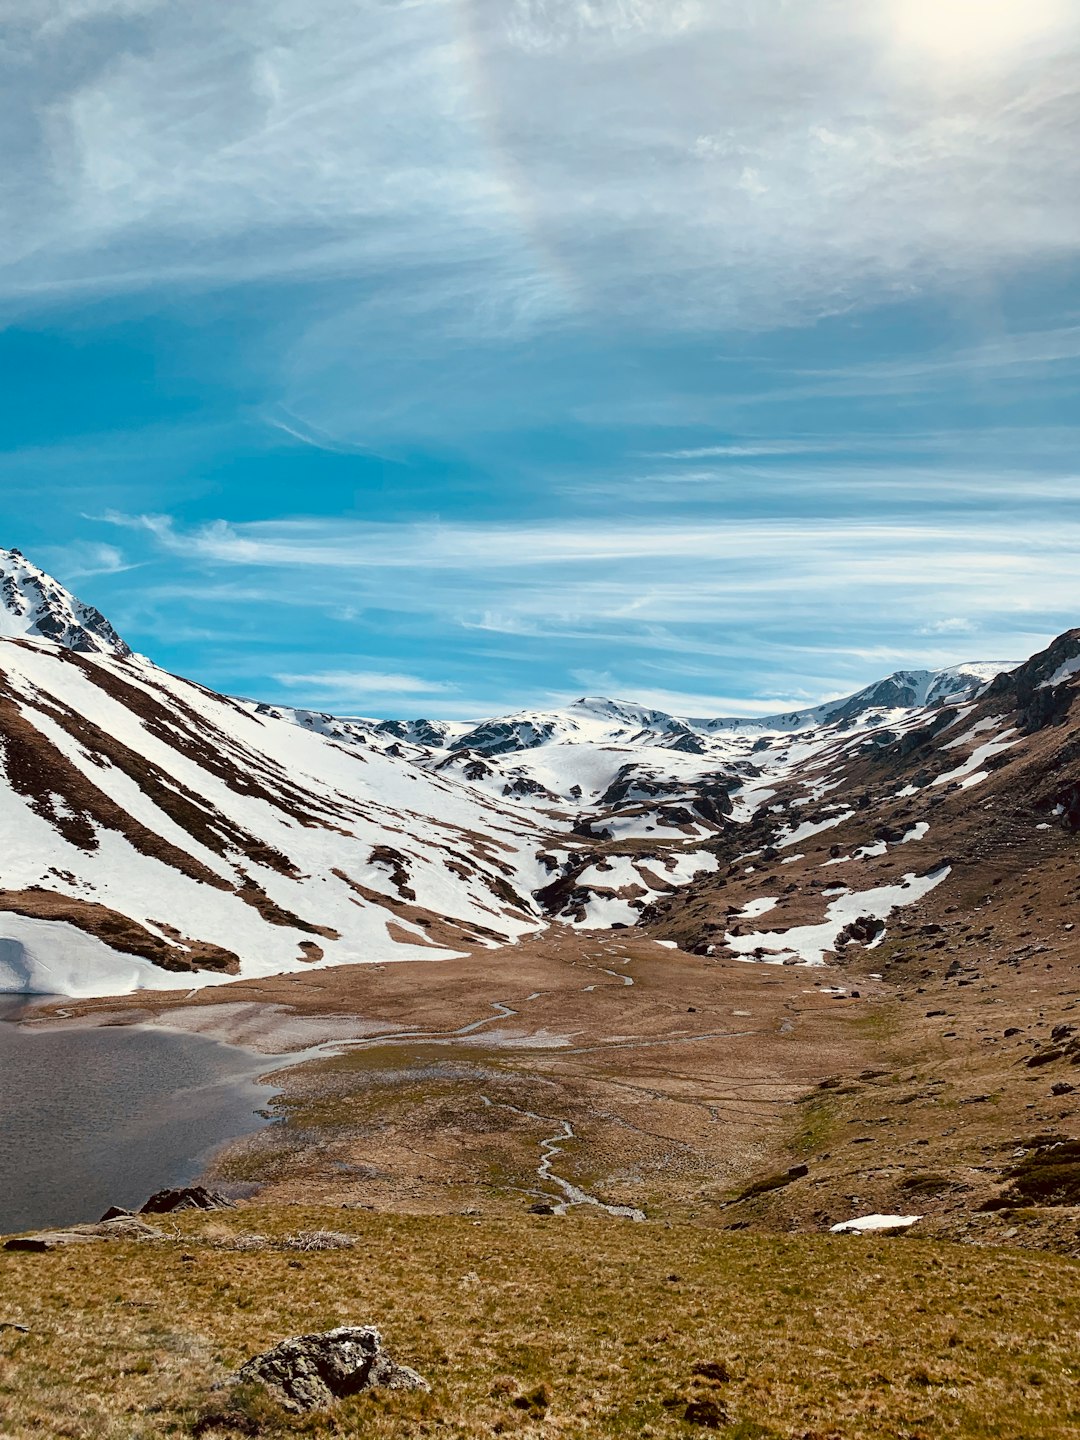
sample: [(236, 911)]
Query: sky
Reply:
[(450, 357)]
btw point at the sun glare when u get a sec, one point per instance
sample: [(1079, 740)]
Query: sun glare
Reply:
[(960, 31)]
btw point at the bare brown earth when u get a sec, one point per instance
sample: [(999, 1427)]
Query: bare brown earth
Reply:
[(706, 1078), (677, 1086), (976, 1011)]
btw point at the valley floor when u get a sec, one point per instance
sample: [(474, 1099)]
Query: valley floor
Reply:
[(607, 1067), (664, 1078), (740, 1108)]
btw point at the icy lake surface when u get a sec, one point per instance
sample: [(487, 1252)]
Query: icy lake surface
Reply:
[(97, 1117)]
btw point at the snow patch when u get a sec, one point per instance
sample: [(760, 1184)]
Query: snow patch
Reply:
[(978, 757), (1065, 671), (761, 906), (867, 1223), (809, 943), (812, 827)]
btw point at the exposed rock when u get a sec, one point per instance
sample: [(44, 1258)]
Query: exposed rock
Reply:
[(1048, 1175), (47, 1240), (185, 1197), (863, 930), (770, 1182), (124, 1227), (1045, 1057), (311, 1372), (713, 1370)]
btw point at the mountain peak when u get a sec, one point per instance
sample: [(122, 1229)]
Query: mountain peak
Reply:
[(35, 606)]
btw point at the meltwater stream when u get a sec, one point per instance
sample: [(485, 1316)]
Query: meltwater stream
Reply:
[(105, 1116)]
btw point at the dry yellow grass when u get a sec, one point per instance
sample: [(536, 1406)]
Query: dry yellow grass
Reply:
[(819, 1336)]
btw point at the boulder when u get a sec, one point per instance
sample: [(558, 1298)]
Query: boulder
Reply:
[(311, 1372), (185, 1197), (125, 1227), (47, 1240)]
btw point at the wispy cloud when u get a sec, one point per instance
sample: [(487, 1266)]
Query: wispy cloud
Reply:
[(84, 559), (353, 683), (956, 625), (793, 546), (755, 449), (197, 145), (873, 589), (305, 433)]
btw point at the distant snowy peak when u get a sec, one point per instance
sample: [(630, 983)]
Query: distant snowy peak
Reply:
[(902, 690), (35, 606), (600, 720), (962, 679), (434, 734), (909, 689), (625, 713)]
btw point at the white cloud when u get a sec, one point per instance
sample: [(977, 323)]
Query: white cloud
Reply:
[(554, 24), (83, 559), (635, 578), (505, 165), (352, 683), (955, 626), (755, 449)]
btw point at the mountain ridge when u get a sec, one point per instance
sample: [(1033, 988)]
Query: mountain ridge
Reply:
[(167, 833), (35, 606)]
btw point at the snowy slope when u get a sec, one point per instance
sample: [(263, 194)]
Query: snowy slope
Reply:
[(153, 833), (170, 822)]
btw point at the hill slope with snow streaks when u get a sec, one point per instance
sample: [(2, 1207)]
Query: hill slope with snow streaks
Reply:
[(158, 834)]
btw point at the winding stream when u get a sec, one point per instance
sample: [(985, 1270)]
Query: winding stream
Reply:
[(549, 1149)]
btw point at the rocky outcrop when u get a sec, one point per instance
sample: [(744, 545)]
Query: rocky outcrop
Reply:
[(1039, 689), (122, 1227), (35, 605), (503, 737), (185, 1197), (311, 1372)]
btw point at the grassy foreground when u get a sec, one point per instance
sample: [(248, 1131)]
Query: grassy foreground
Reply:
[(557, 1326)]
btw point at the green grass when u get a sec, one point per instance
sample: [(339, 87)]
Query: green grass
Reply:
[(818, 1336)]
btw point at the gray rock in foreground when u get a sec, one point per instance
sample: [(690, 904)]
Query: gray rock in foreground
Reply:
[(311, 1372), (125, 1227)]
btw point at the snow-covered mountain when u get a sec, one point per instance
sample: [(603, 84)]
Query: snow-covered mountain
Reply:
[(33, 605), (157, 834)]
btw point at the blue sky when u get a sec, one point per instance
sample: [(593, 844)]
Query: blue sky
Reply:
[(453, 356)]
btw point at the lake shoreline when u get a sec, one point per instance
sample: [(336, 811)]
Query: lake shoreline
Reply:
[(104, 1111)]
